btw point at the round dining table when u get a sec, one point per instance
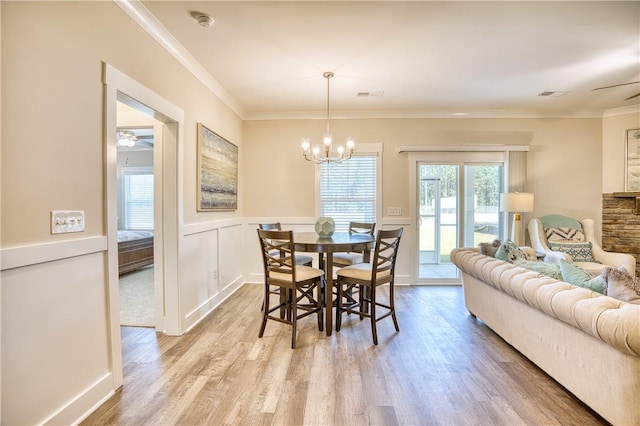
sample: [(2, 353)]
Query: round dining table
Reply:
[(325, 246)]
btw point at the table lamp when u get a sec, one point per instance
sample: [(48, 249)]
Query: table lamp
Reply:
[(516, 203)]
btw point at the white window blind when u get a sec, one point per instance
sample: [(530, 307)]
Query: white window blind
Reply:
[(348, 191), (138, 200)]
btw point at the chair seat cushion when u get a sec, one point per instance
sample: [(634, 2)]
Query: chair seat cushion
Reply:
[(347, 258), (303, 273), (302, 259), (361, 271)]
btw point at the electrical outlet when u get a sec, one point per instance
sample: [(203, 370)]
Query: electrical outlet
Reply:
[(394, 211), (66, 221)]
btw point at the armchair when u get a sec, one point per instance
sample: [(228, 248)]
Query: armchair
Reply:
[(569, 239)]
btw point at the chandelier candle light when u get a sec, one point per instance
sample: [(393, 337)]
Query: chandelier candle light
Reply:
[(313, 153), (516, 203)]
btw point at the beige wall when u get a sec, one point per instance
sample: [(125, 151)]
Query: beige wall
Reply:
[(563, 167), (55, 144)]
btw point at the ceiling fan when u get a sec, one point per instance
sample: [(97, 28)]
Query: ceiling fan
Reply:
[(618, 85)]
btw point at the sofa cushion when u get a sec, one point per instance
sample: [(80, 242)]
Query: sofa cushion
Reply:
[(621, 285), (509, 252), (579, 252), (575, 275)]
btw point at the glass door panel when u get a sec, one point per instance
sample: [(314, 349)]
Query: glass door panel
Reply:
[(482, 218), (437, 220)]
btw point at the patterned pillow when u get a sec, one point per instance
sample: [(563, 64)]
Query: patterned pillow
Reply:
[(509, 252), (621, 285), (567, 235), (579, 252)]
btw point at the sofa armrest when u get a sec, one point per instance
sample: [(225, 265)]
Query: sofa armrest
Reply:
[(616, 259)]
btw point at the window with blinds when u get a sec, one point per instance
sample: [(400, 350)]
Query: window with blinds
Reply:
[(138, 199), (348, 191)]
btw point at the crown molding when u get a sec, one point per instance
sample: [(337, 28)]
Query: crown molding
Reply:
[(396, 114), (631, 109), (143, 17)]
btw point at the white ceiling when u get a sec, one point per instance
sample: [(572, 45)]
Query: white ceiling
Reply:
[(428, 58)]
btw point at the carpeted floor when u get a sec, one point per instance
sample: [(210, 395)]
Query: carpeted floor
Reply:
[(136, 298)]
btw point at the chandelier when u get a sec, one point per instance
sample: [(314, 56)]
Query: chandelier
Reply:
[(126, 138), (314, 153)]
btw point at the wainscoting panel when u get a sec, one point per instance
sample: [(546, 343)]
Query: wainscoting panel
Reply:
[(55, 342), (211, 265)]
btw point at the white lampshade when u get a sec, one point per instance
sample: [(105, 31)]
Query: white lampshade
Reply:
[(516, 202)]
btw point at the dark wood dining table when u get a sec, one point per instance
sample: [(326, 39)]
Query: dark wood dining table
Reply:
[(325, 246)]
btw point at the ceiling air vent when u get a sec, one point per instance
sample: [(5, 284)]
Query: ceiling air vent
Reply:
[(370, 94), (553, 94)]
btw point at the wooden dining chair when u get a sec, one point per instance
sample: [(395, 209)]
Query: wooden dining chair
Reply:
[(297, 283), (351, 258), (301, 259), (366, 278)]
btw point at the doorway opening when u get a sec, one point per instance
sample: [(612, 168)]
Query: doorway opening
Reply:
[(135, 140)]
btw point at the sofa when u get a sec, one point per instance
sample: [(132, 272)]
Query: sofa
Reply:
[(586, 341)]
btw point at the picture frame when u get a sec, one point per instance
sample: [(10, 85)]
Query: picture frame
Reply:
[(632, 161), (217, 172)]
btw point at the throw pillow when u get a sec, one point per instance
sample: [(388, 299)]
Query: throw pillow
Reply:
[(621, 285), (575, 275), (567, 235), (549, 269), (579, 252), (509, 252), (490, 249)]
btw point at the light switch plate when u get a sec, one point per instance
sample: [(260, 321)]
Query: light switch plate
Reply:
[(65, 221), (394, 211)]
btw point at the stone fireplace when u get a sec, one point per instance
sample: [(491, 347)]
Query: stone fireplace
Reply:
[(621, 223)]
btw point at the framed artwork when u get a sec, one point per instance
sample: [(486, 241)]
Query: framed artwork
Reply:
[(632, 163), (217, 172)]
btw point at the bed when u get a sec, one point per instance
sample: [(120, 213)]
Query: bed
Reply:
[(135, 250)]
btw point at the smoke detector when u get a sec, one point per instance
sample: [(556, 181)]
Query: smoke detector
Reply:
[(205, 21)]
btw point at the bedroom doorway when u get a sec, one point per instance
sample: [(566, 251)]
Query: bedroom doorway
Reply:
[(135, 140)]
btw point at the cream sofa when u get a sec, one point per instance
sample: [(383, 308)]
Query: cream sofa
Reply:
[(589, 343)]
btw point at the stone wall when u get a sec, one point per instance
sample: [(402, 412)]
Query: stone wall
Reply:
[(621, 224)]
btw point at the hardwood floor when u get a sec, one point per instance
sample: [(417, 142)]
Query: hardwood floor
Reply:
[(442, 368)]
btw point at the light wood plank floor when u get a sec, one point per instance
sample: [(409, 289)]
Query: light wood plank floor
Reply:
[(442, 368)]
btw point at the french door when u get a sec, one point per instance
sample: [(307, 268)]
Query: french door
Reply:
[(457, 205)]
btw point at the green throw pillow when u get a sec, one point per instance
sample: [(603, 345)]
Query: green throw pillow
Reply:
[(575, 275), (549, 269), (509, 252), (579, 252)]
